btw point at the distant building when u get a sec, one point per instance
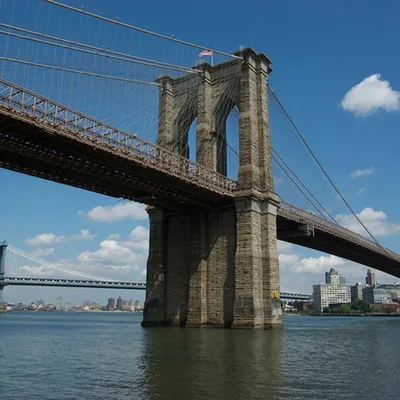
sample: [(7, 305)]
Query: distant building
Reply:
[(332, 292), (356, 292), (120, 303), (389, 307), (327, 294), (370, 278), (380, 294), (111, 304), (333, 276), (59, 304)]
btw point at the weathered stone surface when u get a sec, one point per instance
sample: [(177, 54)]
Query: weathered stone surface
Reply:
[(218, 267), (198, 250)]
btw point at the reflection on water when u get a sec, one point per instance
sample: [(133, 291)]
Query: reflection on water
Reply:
[(213, 363), (107, 356)]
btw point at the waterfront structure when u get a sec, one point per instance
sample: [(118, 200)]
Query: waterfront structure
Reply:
[(370, 278), (357, 292), (330, 293)]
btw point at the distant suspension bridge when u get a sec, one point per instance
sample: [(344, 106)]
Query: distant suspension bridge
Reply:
[(16, 261)]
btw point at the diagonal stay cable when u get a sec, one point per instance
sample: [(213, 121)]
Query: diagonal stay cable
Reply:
[(291, 178), (304, 186), (323, 169)]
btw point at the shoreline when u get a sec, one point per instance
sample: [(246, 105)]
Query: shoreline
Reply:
[(345, 315)]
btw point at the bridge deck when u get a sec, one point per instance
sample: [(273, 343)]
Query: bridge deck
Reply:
[(46, 139)]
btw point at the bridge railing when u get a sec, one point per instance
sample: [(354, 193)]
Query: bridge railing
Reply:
[(50, 115), (301, 216)]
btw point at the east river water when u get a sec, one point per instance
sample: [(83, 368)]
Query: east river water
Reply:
[(60, 356)]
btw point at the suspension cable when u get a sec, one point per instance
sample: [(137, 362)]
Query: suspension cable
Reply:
[(322, 168), (304, 186), (77, 71), (297, 186), (288, 175), (47, 264), (98, 51), (145, 31)]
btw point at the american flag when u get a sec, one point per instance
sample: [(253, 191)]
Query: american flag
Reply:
[(206, 53)]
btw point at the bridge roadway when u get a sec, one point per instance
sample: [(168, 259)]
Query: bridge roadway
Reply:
[(48, 140), (13, 281)]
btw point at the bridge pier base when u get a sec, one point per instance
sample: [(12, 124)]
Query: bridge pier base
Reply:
[(190, 270), (257, 303), (214, 268)]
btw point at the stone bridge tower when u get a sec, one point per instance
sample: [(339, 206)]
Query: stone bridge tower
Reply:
[(217, 266)]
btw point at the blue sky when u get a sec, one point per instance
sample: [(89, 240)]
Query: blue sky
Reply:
[(320, 51)]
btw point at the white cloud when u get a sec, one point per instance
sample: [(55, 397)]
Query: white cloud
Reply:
[(46, 239), (112, 255), (138, 239), (362, 172), (370, 95), (43, 252), (361, 191), (287, 259), (375, 221), (118, 212), (34, 271), (319, 264), (83, 235)]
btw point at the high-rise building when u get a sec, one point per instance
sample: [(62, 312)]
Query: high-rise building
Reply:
[(333, 277), (111, 304), (370, 278), (332, 292), (356, 292), (119, 303)]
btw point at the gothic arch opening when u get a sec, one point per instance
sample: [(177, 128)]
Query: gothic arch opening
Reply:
[(232, 144), (185, 128), (227, 136), (191, 141)]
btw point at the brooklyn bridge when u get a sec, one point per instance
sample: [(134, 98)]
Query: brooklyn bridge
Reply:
[(213, 258)]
